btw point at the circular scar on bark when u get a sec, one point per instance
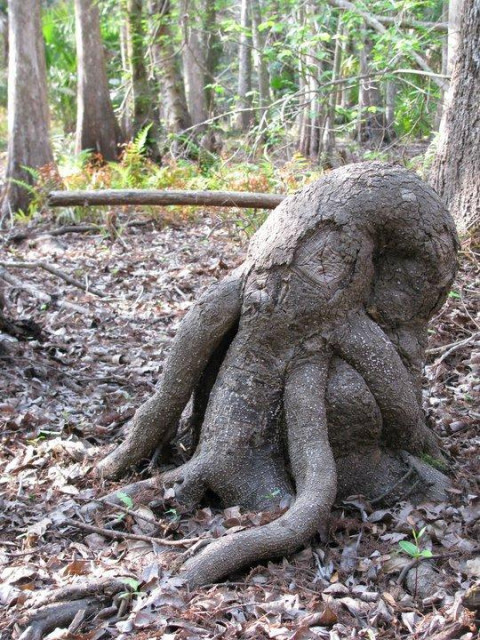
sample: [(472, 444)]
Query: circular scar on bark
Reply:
[(303, 367)]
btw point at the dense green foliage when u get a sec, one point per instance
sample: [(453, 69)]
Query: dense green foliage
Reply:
[(337, 87)]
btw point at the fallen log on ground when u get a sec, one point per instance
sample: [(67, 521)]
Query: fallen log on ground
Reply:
[(119, 197)]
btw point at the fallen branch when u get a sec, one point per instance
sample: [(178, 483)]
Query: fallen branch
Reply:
[(450, 348), (54, 271), (109, 533), (72, 228), (119, 197)]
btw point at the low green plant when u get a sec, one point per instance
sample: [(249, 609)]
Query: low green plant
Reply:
[(413, 549), (135, 589)]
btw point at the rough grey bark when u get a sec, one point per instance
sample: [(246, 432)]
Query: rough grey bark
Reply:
[(305, 364), (455, 173), (97, 128), (28, 116)]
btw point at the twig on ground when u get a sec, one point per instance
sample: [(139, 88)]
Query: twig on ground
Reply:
[(450, 348), (109, 533), (74, 228), (56, 272), (130, 512), (37, 293)]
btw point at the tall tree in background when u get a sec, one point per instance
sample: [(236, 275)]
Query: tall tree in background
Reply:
[(28, 117), (455, 172), (244, 119), (143, 112), (97, 128), (167, 66), (259, 41), (194, 64)]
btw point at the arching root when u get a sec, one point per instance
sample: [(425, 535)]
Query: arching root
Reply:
[(363, 344), (313, 468), (201, 331)]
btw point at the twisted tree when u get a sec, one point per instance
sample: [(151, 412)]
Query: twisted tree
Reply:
[(304, 365)]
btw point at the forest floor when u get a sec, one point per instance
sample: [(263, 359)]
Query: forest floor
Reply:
[(66, 395)]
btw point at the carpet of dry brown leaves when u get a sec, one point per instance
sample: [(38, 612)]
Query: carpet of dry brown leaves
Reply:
[(67, 395)]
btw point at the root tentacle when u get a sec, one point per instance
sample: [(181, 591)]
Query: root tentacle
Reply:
[(314, 471), (198, 336)]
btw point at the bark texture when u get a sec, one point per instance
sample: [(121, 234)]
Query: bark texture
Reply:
[(28, 117), (455, 172), (304, 365), (97, 128)]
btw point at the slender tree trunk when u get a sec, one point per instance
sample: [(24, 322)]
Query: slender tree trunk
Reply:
[(245, 117), (455, 11), (212, 48), (444, 71), (329, 133), (370, 125), (313, 116), (142, 98), (97, 128), (259, 41), (390, 92), (126, 108), (194, 61), (455, 172), (28, 117), (167, 67)]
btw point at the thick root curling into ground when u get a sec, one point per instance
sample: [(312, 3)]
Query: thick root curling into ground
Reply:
[(304, 367)]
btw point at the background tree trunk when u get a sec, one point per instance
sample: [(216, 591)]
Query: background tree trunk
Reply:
[(194, 61), (455, 173), (370, 125), (167, 67), (455, 12), (28, 116), (259, 41), (329, 132), (142, 98), (97, 128), (245, 116)]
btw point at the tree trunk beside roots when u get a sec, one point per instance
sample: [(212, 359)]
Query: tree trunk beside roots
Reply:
[(304, 365)]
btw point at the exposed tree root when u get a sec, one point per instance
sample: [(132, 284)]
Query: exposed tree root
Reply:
[(57, 609), (202, 330)]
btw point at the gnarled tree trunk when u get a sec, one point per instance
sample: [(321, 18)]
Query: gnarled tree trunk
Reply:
[(304, 365)]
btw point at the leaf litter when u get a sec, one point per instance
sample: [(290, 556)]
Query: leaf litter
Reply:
[(68, 394)]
